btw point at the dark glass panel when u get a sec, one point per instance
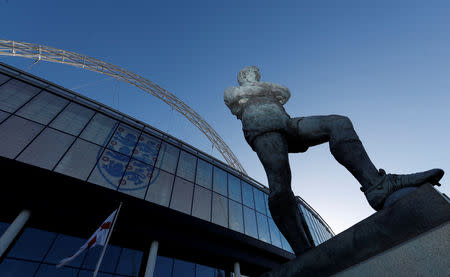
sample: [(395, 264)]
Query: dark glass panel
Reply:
[(99, 130), (10, 267), (73, 119), (183, 269), (88, 273), (234, 188), (3, 78), (163, 267), (46, 150), (182, 196), (160, 187), (250, 222), (129, 262), (168, 157), (285, 244), (259, 201), (186, 166), (43, 108), (236, 218), (109, 261), (14, 94), (220, 181), (46, 270), (15, 134), (65, 246), (32, 244), (201, 207), (147, 149), (266, 202), (204, 271), (274, 233), (109, 169), (247, 195), (3, 227), (79, 161), (124, 139), (204, 174), (220, 210), (136, 179), (263, 227), (3, 115)]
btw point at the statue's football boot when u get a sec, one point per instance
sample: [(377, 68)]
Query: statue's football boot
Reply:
[(376, 195)]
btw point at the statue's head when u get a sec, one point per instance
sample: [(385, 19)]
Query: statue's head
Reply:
[(249, 74)]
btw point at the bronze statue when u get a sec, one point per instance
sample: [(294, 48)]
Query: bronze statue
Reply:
[(272, 134)]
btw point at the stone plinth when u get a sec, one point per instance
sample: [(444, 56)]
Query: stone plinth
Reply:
[(412, 233)]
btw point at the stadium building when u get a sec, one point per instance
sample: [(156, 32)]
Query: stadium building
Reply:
[(68, 161)]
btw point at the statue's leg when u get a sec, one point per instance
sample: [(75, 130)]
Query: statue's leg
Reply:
[(344, 143), (348, 150), (273, 153)]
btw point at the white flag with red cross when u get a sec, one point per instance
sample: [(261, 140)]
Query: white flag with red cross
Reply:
[(98, 238)]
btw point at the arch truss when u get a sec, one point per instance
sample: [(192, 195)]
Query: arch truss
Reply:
[(45, 53)]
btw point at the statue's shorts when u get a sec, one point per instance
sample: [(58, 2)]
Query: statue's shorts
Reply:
[(296, 144)]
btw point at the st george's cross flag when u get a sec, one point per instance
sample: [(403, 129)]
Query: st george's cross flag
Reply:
[(98, 238)]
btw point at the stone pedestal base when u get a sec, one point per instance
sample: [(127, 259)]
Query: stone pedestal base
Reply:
[(411, 237)]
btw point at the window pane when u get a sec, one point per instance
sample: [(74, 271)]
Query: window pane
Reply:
[(12, 268), (14, 94), (46, 149), (168, 157), (285, 244), (129, 262), (247, 195), (234, 188), (3, 78), (136, 179), (182, 196), (163, 267), (32, 244), (220, 181), (274, 233), (88, 273), (99, 129), (183, 269), (109, 260), (65, 246), (124, 139), (109, 169), (160, 187), (147, 149), (43, 107), (72, 119), (204, 271), (15, 134), (263, 227), (79, 160), (3, 115), (259, 201), (186, 166), (201, 207), (236, 219), (266, 202), (46, 270), (250, 222), (220, 210), (204, 174)]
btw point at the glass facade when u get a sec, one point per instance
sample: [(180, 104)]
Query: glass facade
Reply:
[(37, 252), (69, 135)]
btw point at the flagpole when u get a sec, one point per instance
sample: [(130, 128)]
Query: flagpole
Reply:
[(107, 240)]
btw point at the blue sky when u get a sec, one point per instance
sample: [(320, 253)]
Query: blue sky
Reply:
[(385, 64)]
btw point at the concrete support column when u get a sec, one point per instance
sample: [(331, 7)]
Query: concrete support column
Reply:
[(13, 230), (150, 268), (237, 270)]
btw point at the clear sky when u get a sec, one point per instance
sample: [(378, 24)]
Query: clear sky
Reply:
[(385, 64)]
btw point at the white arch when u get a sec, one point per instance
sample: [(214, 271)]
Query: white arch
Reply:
[(45, 53)]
